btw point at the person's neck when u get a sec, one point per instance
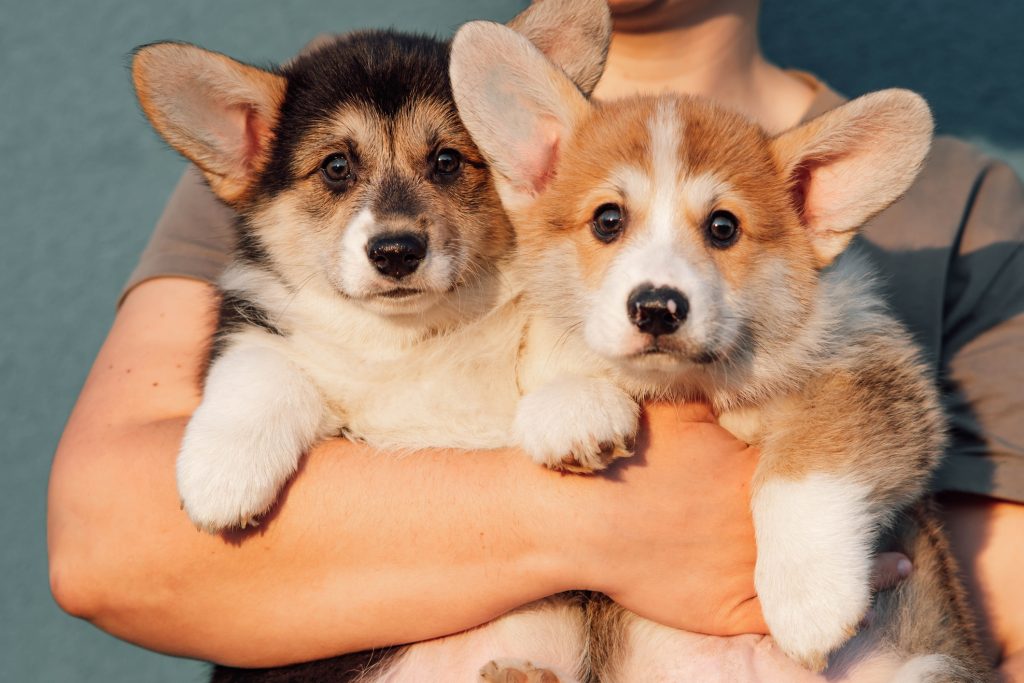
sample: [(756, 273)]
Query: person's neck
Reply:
[(716, 55)]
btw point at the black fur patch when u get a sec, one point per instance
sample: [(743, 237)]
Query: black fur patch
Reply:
[(237, 313)]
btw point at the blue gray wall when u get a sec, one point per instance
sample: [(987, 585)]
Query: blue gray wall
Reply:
[(83, 179)]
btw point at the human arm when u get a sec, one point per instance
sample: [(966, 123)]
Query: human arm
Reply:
[(987, 537), (984, 335), (367, 550)]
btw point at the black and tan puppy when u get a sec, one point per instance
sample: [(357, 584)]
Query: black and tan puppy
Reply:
[(369, 230)]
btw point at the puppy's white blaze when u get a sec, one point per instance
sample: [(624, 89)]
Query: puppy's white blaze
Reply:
[(814, 545), (258, 416), (353, 269)]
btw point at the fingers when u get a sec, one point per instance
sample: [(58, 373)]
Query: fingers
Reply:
[(890, 570)]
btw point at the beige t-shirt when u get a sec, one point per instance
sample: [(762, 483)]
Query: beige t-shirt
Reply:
[(952, 266)]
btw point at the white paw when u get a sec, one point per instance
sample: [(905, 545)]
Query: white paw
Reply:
[(577, 424), (258, 416), (814, 554), (223, 477)]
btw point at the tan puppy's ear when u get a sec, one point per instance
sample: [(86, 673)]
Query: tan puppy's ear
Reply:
[(217, 112), (850, 163), (518, 107), (574, 34)]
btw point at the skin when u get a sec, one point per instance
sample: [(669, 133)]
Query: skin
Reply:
[(670, 537)]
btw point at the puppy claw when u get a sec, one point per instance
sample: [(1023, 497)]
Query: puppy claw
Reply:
[(589, 460)]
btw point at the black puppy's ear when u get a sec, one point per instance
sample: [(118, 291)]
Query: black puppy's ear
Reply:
[(573, 34), (217, 112)]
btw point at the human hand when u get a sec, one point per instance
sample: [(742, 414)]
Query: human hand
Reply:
[(669, 534)]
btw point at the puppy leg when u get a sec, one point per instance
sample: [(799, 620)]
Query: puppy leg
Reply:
[(838, 461), (258, 416), (926, 621), (577, 424), (813, 572)]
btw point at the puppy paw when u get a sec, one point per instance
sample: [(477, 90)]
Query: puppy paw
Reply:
[(577, 424), (228, 477), (516, 671), (813, 573)]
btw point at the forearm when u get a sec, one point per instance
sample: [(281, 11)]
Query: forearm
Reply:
[(366, 550)]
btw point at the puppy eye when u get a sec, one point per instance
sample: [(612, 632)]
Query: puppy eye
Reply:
[(447, 162), (336, 169), (723, 229), (608, 222)]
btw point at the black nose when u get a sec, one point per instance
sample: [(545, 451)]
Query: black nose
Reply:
[(657, 310), (397, 255)]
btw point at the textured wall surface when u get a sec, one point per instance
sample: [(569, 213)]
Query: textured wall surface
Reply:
[(83, 179)]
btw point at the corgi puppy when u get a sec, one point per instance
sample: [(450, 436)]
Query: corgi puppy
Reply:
[(673, 249), (367, 294), (368, 224)]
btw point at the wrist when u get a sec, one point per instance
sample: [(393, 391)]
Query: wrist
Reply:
[(567, 547)]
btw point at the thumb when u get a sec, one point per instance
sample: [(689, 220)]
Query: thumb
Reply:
[(890, 570)]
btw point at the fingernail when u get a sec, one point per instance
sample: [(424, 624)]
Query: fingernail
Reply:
[(904, 567)]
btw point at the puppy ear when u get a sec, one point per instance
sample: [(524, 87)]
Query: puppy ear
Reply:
[(217, 112), (574, 34), (518, 107), (850, 163)]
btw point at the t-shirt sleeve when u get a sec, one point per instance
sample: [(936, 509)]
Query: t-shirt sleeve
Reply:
[(983, 342), (193, 237)]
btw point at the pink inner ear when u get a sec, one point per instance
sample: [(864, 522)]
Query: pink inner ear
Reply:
[(257, 137), (821, 193), (540, 161), (538, 155), (240, 136)]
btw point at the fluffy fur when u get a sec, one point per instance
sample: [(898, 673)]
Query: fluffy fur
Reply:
[(791, 347), (367, 293)]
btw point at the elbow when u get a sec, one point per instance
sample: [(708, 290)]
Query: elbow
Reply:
[(71, 590)]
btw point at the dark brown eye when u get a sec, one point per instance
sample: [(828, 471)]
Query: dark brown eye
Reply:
[(723, 229), (608, 222), (447, 162), (336, 169)]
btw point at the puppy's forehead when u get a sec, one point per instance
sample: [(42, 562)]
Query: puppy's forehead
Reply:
[(417, 129), (665, 138)]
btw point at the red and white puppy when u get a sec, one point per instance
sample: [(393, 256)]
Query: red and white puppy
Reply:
[(671, 248)]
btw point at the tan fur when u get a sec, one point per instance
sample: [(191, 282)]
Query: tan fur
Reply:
[(180, 85)]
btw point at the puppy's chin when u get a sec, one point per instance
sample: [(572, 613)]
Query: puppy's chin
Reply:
[(665, 355), (399, 301)]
